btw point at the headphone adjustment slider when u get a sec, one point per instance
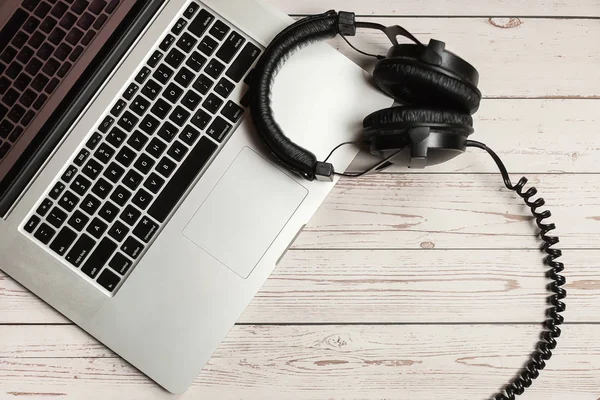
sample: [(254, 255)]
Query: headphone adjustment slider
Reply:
[(347, 23), (324, 171)]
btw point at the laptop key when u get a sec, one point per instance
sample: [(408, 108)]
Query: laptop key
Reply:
[(63, 241), (142, 199), (139, 106), (93, 141), (40, 101), (232, 45), (212, 103), (112, 6), (145, 229), (243, 62), (31, 24), (154, 183), (108, 212), (161, 109), (137, 140), (16, 113), (187, 42), (25, 55), (155, 59), (13, 70), (80, 185), (131, 91), (68, 201), (130, 215), (132, 180), (4, 148), (118, 108), (182, 179), (167, 132), (16, 133), (208, 45), (144, 163), (21, 83), (184, 77), (64, 69), (100, 21), (114, 172), (118, 231), (42, 9), (166, 167), (232, 111), (104, 153), (189, 135), (90, 204), (219, 30), (99, 258), (224, 88), (179, 26), (203, 84), (5, 129), (77, 51), (78, 220), (4, 85), (132, 247), (9, 54), (79, 6), (177, 151), (92, 169), (120, 263), (69, 174), (74, 36), (142, 75), (102, 188), (201, 23), (80, 250), (172, 93), (167, 42), (27, 118), (201, 119), (128, 121), (96, 228), (20, 39), (126, 156), (81, 157), (106, 124), (44, 233), (57, 190), (175, 58), (33, 222), (56, 217), (11, 27), (219, 129), (44, 207), (151, 89), (196, 61), (108, 280), (149, 124), (86, 21), (59, 9), (48, 24), (191, 10), (120, 195)]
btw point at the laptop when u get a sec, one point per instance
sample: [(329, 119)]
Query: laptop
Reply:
[(134, 196)]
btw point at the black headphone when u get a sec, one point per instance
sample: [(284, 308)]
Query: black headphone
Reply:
[(439, 90)]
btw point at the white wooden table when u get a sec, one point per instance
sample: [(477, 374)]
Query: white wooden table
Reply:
[(412, 285)]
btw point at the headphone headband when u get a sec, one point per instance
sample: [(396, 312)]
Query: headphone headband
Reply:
[(301, 33)]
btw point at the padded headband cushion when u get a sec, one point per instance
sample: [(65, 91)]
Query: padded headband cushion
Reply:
[(419, 85), (387, 117), (298, 35)]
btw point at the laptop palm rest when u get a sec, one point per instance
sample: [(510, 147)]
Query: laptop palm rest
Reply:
[(245, 211)]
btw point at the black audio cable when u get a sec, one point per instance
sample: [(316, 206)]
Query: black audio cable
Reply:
[(551, 332), (547, 343)]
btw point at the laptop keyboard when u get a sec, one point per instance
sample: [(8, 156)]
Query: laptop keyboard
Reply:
[(38, 46), (109, 203)]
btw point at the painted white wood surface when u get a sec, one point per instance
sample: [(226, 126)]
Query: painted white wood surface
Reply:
[(401, 286), (311, 362), (507, 8)]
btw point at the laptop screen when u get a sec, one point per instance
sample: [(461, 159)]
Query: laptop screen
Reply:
[(53, 56)]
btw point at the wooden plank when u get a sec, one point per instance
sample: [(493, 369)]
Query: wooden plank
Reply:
[(444, 211), (391, 287), (551, 58), (312, 362), (530, 135), (510, 8)]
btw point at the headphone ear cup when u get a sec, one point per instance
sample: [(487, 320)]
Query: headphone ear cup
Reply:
[(420, 85), (383, 121)]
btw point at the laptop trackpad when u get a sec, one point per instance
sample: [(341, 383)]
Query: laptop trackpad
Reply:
[(245, 212)]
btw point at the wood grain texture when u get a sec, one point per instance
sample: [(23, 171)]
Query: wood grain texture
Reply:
[(445, 211), (509, 8), (322, 362), (530, 135), (403, 286), (551, 58)]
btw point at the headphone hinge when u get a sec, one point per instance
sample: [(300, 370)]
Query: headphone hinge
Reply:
[(347, 23), (432, 53), (419, 138)]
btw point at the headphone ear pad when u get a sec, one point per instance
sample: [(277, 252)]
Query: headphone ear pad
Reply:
[(382, 121), (420, 85)]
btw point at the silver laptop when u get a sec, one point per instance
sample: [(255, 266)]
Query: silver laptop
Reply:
[(149, 214)]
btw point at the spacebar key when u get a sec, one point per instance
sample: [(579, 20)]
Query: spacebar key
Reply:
[(181, 181)]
